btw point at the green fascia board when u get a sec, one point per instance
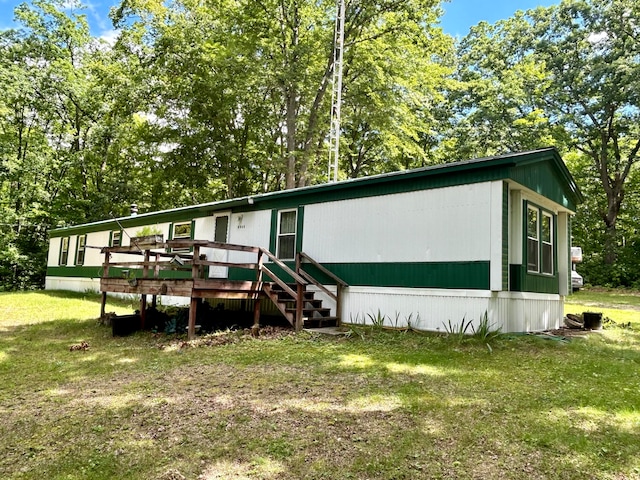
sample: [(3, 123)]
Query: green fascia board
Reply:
[(444, 175)]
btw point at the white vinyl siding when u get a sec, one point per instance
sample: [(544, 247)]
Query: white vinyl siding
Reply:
[(449, 224)]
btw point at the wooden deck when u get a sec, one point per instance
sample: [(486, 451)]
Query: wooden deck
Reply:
[(143, 278), (198, 288)]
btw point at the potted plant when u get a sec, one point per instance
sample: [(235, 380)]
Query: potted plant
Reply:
[(148, 235)]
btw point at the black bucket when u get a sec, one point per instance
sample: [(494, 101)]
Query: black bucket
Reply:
[(592, 320), (123, 325)]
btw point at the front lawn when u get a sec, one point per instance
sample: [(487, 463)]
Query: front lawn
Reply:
[(372, 405)]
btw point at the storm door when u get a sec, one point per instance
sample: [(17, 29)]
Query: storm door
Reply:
[(220, 235)]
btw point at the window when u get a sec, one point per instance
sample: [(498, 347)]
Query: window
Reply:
[(64, 251), (82, 240), (181, 231), (546, 235), (539, 241), (533, 244), (116, 237), (287, 235)]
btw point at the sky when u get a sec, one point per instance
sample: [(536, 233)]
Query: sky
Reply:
[(459, 17)]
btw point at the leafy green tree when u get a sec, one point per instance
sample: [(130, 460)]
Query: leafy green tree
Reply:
[(244, 86), (566, 75)]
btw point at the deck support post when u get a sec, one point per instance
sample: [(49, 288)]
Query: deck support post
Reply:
[(103, 304), (143, 310), (299, 306), (256, 311), (193, 308), (339, 304)]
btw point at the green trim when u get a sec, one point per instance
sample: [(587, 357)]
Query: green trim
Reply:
[(77, 271), (523, 281), (114, 272), (450, 275), (273, 237), (505, 236), (552, 180), (299, 229)]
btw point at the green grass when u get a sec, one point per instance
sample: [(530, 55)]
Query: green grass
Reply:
[(378, 405)]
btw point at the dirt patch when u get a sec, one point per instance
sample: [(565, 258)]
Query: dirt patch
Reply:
[(571, 332)]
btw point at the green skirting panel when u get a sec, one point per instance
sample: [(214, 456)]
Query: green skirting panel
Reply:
[(462, 275)]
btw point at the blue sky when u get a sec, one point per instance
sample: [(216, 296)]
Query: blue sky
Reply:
[(459, 16)]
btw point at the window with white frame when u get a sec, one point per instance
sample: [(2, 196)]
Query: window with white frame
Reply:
[(540, 235), (286, 246), (82, 240), (181, 231), (64, 251), (116, 238)]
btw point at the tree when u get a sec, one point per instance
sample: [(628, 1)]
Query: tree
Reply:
[(569, 74), (244, 85)]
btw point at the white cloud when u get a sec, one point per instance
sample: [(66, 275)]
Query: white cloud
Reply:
[(110, 36), (599, 37)]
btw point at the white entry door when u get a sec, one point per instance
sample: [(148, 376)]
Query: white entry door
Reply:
[(221, 235)]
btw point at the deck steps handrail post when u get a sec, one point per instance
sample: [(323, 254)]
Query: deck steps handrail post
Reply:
[(340, 284)]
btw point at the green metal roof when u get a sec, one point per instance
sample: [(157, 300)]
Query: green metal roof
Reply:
[(552, 180)]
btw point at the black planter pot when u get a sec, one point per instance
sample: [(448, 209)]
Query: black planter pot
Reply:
[(592, 320)]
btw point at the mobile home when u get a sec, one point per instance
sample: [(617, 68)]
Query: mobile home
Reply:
[(426, 246)]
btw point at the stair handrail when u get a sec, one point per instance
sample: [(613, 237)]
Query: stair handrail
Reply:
[(340, 284), (322, 268), (300, 283), (296, 278)]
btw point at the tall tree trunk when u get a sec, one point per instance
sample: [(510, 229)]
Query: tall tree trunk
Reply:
[(291, 139)]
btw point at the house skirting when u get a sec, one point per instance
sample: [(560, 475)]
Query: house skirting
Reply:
[(433, 309), (424, 309)]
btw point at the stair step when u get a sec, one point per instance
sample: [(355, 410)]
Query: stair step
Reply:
[(277, 288), (320, 322), (285, 297), (309, 312)]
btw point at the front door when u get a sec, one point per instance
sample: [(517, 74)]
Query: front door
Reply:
[(221, 235)]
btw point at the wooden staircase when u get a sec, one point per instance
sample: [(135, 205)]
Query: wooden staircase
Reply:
[(298, 304), (314, 315)]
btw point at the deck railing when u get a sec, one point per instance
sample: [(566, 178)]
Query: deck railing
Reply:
[(185, 255)]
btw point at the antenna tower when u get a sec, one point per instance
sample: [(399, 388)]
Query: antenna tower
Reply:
[(336, 94)]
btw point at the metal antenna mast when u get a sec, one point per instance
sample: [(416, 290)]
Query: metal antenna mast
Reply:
[(336, 94)]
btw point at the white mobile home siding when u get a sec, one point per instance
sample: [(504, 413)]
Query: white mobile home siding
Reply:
[(424, 226)]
